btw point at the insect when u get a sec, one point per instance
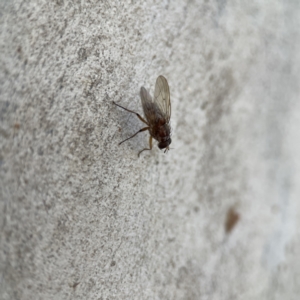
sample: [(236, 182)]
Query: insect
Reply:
[(157, 113)]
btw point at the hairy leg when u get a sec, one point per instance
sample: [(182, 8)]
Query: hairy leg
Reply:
[(131, 111), (143, 129), (150, 145)]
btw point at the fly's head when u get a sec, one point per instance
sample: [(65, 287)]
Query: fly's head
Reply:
[(165, 144)]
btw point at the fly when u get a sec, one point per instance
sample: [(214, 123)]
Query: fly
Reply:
[(157, 113)]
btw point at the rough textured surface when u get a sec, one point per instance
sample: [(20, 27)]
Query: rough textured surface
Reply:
[(82, 218)]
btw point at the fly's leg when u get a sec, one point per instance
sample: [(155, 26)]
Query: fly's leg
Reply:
[(150, 144), (143, 129), (131, 111)]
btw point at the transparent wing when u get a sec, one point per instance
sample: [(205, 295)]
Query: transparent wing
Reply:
[(149, 108), (162, 97)]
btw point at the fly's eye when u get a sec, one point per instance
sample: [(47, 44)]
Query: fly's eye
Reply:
[(164, 144)]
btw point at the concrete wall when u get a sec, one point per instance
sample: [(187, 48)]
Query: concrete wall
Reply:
[(215, 218)]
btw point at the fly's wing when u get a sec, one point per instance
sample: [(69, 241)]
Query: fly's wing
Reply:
[(149, 109), (162, 97)]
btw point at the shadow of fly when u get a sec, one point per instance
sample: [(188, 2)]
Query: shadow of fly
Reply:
[(157, 114)]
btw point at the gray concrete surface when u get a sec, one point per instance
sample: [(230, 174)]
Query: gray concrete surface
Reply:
[(84, 218)]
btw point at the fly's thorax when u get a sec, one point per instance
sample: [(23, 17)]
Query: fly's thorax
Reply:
[(161, 133)]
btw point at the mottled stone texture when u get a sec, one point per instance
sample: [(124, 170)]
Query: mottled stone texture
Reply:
[(218, 217)]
